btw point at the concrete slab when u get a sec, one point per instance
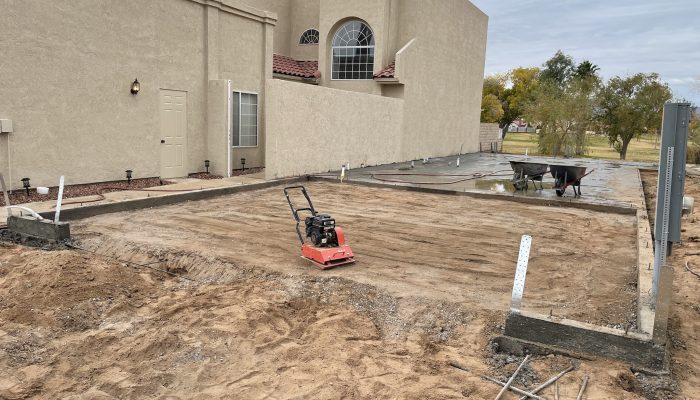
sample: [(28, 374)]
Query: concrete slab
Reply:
[(611, 183), (183, 186)]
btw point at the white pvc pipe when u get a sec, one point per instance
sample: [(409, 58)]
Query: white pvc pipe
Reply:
[(29, 210)]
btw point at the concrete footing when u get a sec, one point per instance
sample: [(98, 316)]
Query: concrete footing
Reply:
[(567, 336), (29, 227)]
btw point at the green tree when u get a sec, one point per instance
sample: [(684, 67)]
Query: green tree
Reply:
[(491, 109), (563, 105), (586, 69), (630, 107), (558, 70), (513, 90), (694, 139)]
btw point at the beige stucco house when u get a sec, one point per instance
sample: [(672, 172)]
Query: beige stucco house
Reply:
[(295, 86)]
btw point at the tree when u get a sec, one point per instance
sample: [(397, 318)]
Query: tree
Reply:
[(563, 105), (693, 154), (491, 109), (559, 69), (586, 69), (513, 90), (630, 107)]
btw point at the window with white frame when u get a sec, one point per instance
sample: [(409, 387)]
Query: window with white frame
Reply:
[(353, 51), (310, 36), (245, 119)]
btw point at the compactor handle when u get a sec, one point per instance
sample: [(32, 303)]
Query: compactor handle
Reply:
[(295, 211)]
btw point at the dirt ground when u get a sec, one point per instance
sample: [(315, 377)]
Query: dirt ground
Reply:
[(431, 286), (432, 246)]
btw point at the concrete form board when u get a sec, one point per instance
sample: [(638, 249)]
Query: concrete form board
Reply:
[(645, 260), (617, 209), (634, 348), (40, 229), (99, 209)]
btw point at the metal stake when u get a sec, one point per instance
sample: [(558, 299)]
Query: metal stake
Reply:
[(583, 388), (512, 378), (525, 393), (520, 273), (662, 242), (554, 379)]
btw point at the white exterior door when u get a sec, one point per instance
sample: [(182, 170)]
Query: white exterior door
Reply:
[(173, 133)]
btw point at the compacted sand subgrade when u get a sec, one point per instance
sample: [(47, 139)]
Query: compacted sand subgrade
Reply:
[(445, 248), (431, 286)]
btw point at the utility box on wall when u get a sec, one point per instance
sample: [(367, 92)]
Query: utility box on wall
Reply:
[(6, 126)]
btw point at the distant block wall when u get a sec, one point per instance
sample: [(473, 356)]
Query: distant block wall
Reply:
[(489, 136)]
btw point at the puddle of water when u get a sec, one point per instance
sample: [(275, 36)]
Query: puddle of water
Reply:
[(504, 185)]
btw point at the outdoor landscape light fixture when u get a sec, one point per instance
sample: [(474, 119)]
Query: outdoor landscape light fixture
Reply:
[(25, 183), (135, 87), (128, 175), (206, 165), (243, 163)]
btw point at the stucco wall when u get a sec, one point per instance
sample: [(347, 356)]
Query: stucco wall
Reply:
[(443, 76), (282, 8), (332, 14), (67, 67), (304, 15), (314, 129)]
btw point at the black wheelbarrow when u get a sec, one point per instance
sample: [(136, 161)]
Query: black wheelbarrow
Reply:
[(567, 175), (524, 171)]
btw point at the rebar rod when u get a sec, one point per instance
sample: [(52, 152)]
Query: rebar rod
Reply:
[(512, 378)]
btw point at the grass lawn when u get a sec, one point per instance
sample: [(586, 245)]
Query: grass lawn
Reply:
[(641, 149)]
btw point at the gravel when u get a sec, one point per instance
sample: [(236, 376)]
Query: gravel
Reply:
[(19, 196), (204, 175)]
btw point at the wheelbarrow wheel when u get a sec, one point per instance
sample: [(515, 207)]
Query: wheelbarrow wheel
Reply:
[(559, 183)]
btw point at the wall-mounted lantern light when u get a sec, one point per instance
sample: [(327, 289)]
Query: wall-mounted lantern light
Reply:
[(25, 183), (128, 175), (243, 163), (206, 165), (135, 87)]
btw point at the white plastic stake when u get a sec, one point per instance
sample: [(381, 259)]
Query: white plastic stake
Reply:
[(59, 200), (457, 162), (342, 174), (520, 273), (4, 193)]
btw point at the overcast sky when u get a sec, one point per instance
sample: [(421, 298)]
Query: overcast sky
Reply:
[(622, 37)]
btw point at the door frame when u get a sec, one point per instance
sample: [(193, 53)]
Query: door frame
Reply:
[(187, 136)]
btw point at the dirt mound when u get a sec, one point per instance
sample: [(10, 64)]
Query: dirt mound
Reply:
[(75, 325)]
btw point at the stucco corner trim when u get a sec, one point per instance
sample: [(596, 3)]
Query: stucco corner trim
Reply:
[(400, 59), (235, 7)]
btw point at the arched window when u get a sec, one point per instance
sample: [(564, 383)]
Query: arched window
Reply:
[(310, 36), (353, 51)]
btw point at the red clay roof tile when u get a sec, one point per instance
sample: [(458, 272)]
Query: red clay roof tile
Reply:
[(288, 66), (387, 72)]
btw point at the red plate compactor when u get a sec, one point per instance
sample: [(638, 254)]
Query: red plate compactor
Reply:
[(327, 248)]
